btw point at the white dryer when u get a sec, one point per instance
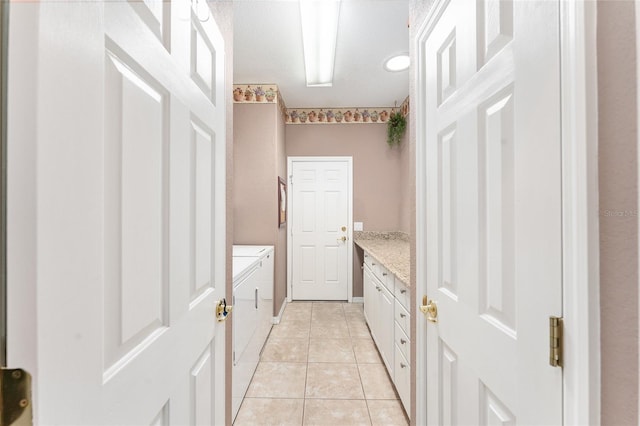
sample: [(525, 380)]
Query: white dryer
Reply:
[(253, 275)]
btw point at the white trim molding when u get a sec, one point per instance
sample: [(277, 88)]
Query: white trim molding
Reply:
[(290, 219), (421, 209), (276, 320), (580, 251)]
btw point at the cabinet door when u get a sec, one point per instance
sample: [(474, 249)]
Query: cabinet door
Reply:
[(386, 327), (369, 295)]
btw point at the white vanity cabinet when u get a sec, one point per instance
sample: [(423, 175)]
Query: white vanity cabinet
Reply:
[(378, 310), (386, 310), (402, 342), (252, 313)]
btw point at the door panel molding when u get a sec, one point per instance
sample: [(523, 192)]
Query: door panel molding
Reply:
[(349, 161), (581, 382)]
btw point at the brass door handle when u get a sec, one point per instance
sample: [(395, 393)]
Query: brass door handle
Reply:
[(222, 310), (343, 239), (430, 309)]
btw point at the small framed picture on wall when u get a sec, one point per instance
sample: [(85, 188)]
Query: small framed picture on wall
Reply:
[(282, 202)]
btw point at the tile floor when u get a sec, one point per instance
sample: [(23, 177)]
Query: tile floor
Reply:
[(320, 366)]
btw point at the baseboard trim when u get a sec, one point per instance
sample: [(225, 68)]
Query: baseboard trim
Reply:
[(276, 320), (357, 300)]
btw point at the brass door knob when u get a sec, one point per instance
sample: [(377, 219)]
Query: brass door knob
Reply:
[(222, 310), (430, 309), (343, 239)]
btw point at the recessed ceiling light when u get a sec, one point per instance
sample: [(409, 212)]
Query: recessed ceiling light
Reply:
[(397, 63)]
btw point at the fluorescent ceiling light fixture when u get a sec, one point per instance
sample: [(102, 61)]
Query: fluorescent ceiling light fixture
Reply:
[(319, 36), (397, 63)]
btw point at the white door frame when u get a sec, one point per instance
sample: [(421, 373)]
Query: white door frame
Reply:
[(580, 231), (290, 218)]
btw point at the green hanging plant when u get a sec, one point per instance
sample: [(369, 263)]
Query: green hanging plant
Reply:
[(395, 128)]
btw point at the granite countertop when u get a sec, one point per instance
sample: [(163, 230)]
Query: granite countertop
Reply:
[(391, 249)]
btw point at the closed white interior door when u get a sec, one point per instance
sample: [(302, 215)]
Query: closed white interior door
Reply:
[(320, 237), (116, 210), (490, 73)]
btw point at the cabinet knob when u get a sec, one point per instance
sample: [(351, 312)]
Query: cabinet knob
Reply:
[(403, 365), (384, 274), (373, 264), (402, 315), (402, 341), (403, 291)]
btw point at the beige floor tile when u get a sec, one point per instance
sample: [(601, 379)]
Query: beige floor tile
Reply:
[(335, 412), (329, 330), (297, 311), (278, 380), (329, 305), (376, 382), (285, 350), (299, 306), (358, 329), (365, 351), (387, 413), (338, 381), (331, 350), (353, 320), (268, 411), (353, 308), (295, 329), (354, 316), (327, 311)]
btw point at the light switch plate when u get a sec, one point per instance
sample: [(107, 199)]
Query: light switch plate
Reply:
[(358, 226)]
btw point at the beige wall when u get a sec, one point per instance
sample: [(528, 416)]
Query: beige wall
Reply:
[(280, 291), (259, 159), (254, 208), (379, 182), (618, 162)]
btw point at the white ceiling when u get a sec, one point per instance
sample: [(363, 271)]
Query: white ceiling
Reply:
[(268, 49)]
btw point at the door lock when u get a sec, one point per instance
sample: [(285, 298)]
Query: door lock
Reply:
[(430, 309), (222, 310)]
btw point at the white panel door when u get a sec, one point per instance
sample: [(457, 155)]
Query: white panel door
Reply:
[(320, 233), (116, 211), (490, 71)]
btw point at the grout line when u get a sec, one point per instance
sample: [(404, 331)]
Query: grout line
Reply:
[(356, 363)]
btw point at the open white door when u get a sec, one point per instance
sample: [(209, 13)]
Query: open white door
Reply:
[(320, 235), (116, 210), (492, 238)]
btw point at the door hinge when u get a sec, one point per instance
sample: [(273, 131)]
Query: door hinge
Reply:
[(291, 179), (555, 341), (15, 397), (234, 357)]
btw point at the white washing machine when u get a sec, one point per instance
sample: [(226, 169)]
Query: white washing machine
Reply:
[(253, 275)]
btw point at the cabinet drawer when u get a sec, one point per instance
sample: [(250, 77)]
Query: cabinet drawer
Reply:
[(402, 293), (402, 341), (386, 278), (402, 317), (402, 378), (368, 260)]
